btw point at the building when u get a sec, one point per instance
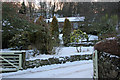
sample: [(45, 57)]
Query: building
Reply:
[(74, 21)]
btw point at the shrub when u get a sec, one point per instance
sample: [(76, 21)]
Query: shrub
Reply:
[(41, 38), (13, 23), (20, 41), (67, 28), (55, 31), (78, 36), (107, 26)]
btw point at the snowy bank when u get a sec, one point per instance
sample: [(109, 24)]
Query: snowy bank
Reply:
[(78, 69)]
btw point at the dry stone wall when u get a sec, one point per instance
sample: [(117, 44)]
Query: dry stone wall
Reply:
[(108, 66), (60, 60)]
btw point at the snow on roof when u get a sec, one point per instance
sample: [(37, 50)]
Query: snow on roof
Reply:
[(71, 19)]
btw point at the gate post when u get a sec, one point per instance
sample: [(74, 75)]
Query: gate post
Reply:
[(20, 61), (95, 65)]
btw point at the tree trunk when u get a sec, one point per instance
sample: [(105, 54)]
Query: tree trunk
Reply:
[(80, 49), (53, 10), (77, 49)]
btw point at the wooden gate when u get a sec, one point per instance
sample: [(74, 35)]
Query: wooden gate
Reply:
[(95, 65), (11, 61)]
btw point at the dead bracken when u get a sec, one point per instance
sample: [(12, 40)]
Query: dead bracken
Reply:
[(111, 46)]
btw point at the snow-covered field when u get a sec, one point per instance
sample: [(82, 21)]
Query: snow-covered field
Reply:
[(77, 69)]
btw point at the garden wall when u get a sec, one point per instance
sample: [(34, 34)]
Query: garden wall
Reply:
[(60, 60), (108, 66)]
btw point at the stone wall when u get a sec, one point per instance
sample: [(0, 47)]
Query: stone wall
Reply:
[(60, 60), (108, 66)]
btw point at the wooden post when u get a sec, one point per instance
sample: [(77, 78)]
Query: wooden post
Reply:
[(23, 55), (95, 65), (20, 61), (23, 60)]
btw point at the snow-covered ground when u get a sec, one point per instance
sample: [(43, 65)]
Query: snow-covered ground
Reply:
[(77, 69), (92, 37), (65, 51)]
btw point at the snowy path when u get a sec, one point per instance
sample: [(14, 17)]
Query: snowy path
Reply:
[(78, 69)]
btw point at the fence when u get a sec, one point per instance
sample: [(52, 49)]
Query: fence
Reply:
[(12, 61), (95, 65)]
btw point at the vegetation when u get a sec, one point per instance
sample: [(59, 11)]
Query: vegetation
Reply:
[(19, 32), (20, 41), (93, 10), (13, 23), (55, 31), (67, 29), (41, 38), (107, 26), (77, 37), (23, 9)]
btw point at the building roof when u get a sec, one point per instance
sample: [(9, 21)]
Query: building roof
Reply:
[(71, 19)]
